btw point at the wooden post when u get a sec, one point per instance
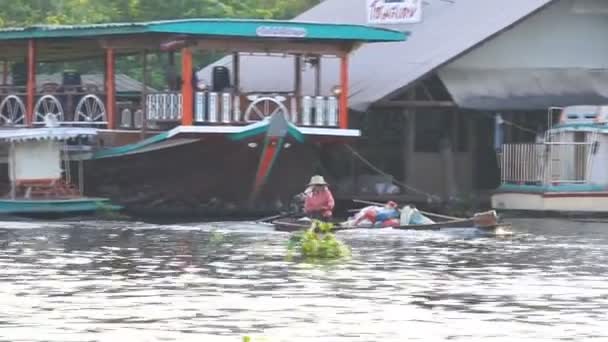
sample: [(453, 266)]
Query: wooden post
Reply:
[(472, 150), (354, 171), (344, 91), (450, 188), (12, 170), (447, 150), (409, 139), (31, 81), (81, 176), (172, 83), (318, 77), (110, 78), (171, 57), (187, 91), (297, 85), (236, 71), (5, 73), (144, 95)]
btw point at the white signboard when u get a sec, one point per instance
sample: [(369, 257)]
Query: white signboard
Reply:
[(37, 160), (281, 32), (394, 11)]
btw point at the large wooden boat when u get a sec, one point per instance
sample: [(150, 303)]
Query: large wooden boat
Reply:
[(201, 140)]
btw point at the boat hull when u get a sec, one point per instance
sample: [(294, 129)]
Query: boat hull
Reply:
[(208, 177), (483, 221), (552, 202), (54, 206)]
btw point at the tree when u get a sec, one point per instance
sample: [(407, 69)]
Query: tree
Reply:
[(30, 12), (18, 13)]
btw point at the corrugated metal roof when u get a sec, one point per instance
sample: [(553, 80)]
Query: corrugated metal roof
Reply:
[(522, 89), (448, 29), (211, 27)]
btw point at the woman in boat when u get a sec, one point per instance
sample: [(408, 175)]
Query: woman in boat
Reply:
[(318, 200)]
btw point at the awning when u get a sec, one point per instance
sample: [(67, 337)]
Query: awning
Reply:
[(525, 89), (39, 134)]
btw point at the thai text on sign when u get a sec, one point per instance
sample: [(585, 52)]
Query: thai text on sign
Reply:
[(281, 31), (394, 11)]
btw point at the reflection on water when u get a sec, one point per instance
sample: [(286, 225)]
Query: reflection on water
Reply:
[(109, 281)]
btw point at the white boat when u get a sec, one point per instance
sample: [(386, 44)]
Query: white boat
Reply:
[(566, 173), (39, 172)]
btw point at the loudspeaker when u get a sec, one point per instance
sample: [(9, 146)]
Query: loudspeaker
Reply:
[(221, 78), (71, 78)]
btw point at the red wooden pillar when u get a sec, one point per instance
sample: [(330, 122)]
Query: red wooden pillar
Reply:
[(31, 81), (110, 86), (187, 91), (344, 92)]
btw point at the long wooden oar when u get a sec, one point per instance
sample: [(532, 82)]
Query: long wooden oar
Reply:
[(422, 212), (279, 216)]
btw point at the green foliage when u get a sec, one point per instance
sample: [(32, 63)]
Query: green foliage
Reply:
[(30, 12), (109, 212), (318, 243), (250, 339), (215, 238)]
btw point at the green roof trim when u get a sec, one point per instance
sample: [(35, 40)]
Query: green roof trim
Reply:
[(126, 149), (260, 29)]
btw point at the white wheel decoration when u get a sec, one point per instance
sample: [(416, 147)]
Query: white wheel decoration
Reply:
[(262, 108), (91, 109), (48, 104), (12, 111)]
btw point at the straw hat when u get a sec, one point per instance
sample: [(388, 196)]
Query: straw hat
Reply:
[(317, 180)]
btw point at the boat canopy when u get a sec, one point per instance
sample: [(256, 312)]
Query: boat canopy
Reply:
[(61, 41), (46, 133)]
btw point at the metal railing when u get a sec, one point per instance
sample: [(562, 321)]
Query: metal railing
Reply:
[(164, 106), (522, 163), (227, 108), (551, 162)]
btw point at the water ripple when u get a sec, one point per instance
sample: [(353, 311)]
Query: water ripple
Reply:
[(108, 281)]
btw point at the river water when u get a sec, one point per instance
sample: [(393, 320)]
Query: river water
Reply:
[(128, 281)]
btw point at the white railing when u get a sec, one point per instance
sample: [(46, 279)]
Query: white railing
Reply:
[(553, 162), (164, 106), (214, 108), (522, 163), (319, 111), (226, 108)]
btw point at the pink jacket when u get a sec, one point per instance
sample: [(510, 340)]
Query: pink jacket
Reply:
[(319, 202)]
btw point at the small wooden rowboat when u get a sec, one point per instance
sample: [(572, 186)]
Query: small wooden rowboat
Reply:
[(487, 221)]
